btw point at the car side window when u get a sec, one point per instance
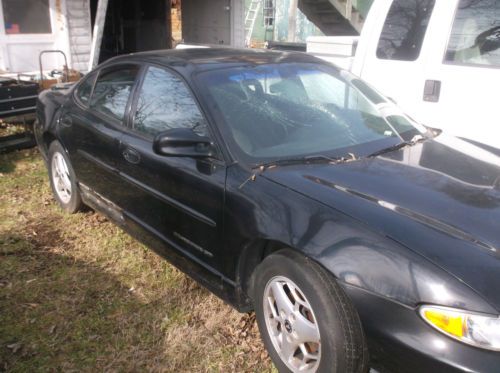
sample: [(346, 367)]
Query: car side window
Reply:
[(404, 30), (166, 102), (112, 90), (475, 36), (85, 89)]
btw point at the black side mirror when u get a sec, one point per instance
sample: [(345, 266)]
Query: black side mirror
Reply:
[(182, 142)]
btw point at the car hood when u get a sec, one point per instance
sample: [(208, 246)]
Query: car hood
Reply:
[(445, 186)]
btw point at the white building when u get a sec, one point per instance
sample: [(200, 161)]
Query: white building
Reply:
[(29, 26)]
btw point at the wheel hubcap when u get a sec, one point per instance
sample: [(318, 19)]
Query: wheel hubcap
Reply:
[(291, 325), (61, 178)]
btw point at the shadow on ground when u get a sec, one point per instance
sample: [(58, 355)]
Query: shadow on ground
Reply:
[(77, 294), (8, 160), (52, 310)]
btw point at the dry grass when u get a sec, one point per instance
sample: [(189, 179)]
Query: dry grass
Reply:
[(7, 129), (77, 294)]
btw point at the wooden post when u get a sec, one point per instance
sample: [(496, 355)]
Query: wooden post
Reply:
[(348, 10), (100, 19)]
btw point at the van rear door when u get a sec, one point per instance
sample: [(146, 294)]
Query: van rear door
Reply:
[(466, 63), (391, 55)]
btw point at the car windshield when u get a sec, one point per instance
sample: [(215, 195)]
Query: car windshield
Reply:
[(292, 110)]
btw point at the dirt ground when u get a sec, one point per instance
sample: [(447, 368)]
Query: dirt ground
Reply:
[(77, 294)]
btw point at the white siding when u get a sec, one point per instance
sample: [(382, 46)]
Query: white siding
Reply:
[(80, 32)]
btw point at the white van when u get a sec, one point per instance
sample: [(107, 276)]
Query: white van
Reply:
[(439, 59)]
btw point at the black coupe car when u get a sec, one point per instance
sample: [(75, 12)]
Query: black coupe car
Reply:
[(285, 185)]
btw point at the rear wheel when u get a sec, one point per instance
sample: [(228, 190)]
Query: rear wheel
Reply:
[(305, 319), (63, 180)]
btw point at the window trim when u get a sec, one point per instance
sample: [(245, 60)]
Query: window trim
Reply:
[(460, 64), (133, 105), (419, 57), (80, 83)]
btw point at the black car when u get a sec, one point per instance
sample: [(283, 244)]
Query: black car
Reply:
[(285, 185)]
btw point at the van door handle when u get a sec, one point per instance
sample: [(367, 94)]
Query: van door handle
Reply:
[(131, 156), (432, 90)]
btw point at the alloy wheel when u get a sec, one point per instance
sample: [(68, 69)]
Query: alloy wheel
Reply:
[(60, 177), (292, 325)]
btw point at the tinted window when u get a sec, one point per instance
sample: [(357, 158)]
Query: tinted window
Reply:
[(404, 30), (475, 37), (112, 91), (26, 16), (85, 89), (164, 103)]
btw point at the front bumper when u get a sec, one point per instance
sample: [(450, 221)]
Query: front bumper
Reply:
[(400, 341)]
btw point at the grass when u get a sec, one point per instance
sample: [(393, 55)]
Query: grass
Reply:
[(78, 294)]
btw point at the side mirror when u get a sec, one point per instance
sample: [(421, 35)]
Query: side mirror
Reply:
[(182, 142)]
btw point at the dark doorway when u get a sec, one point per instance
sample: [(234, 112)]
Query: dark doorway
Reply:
[(134, 26)]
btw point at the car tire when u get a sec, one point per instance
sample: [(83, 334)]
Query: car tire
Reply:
[(63, 180), (319, 318)]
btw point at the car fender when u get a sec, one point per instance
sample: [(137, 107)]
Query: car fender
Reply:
[(353, 252)]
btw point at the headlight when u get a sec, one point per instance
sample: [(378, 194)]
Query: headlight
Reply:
[(469, 327)]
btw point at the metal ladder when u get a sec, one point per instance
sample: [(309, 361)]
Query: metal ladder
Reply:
[(250, 18)]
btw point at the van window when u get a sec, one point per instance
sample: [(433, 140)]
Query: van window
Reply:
[(404, 30), (475, 36)]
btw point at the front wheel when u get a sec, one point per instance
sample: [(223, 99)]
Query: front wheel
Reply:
[(63, 179), (306, 320)]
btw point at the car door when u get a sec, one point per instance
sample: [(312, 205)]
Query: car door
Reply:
[(91, 126), (177, 199), (464, 59), (389, 54)]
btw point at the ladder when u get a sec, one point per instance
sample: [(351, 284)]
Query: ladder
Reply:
[(251, 16)]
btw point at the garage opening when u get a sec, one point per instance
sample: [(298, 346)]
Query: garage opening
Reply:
[(135, 26)]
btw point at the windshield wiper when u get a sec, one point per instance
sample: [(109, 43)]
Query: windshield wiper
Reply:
[(304, 160), (261, 167), (398, 146)]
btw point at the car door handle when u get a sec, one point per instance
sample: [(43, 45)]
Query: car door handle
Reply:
[(131, 156), (66, 120), (432, 90)]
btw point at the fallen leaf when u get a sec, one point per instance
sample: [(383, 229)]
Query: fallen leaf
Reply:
[(14, 347)]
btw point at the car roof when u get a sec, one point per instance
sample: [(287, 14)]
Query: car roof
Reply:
[(204, 59)]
